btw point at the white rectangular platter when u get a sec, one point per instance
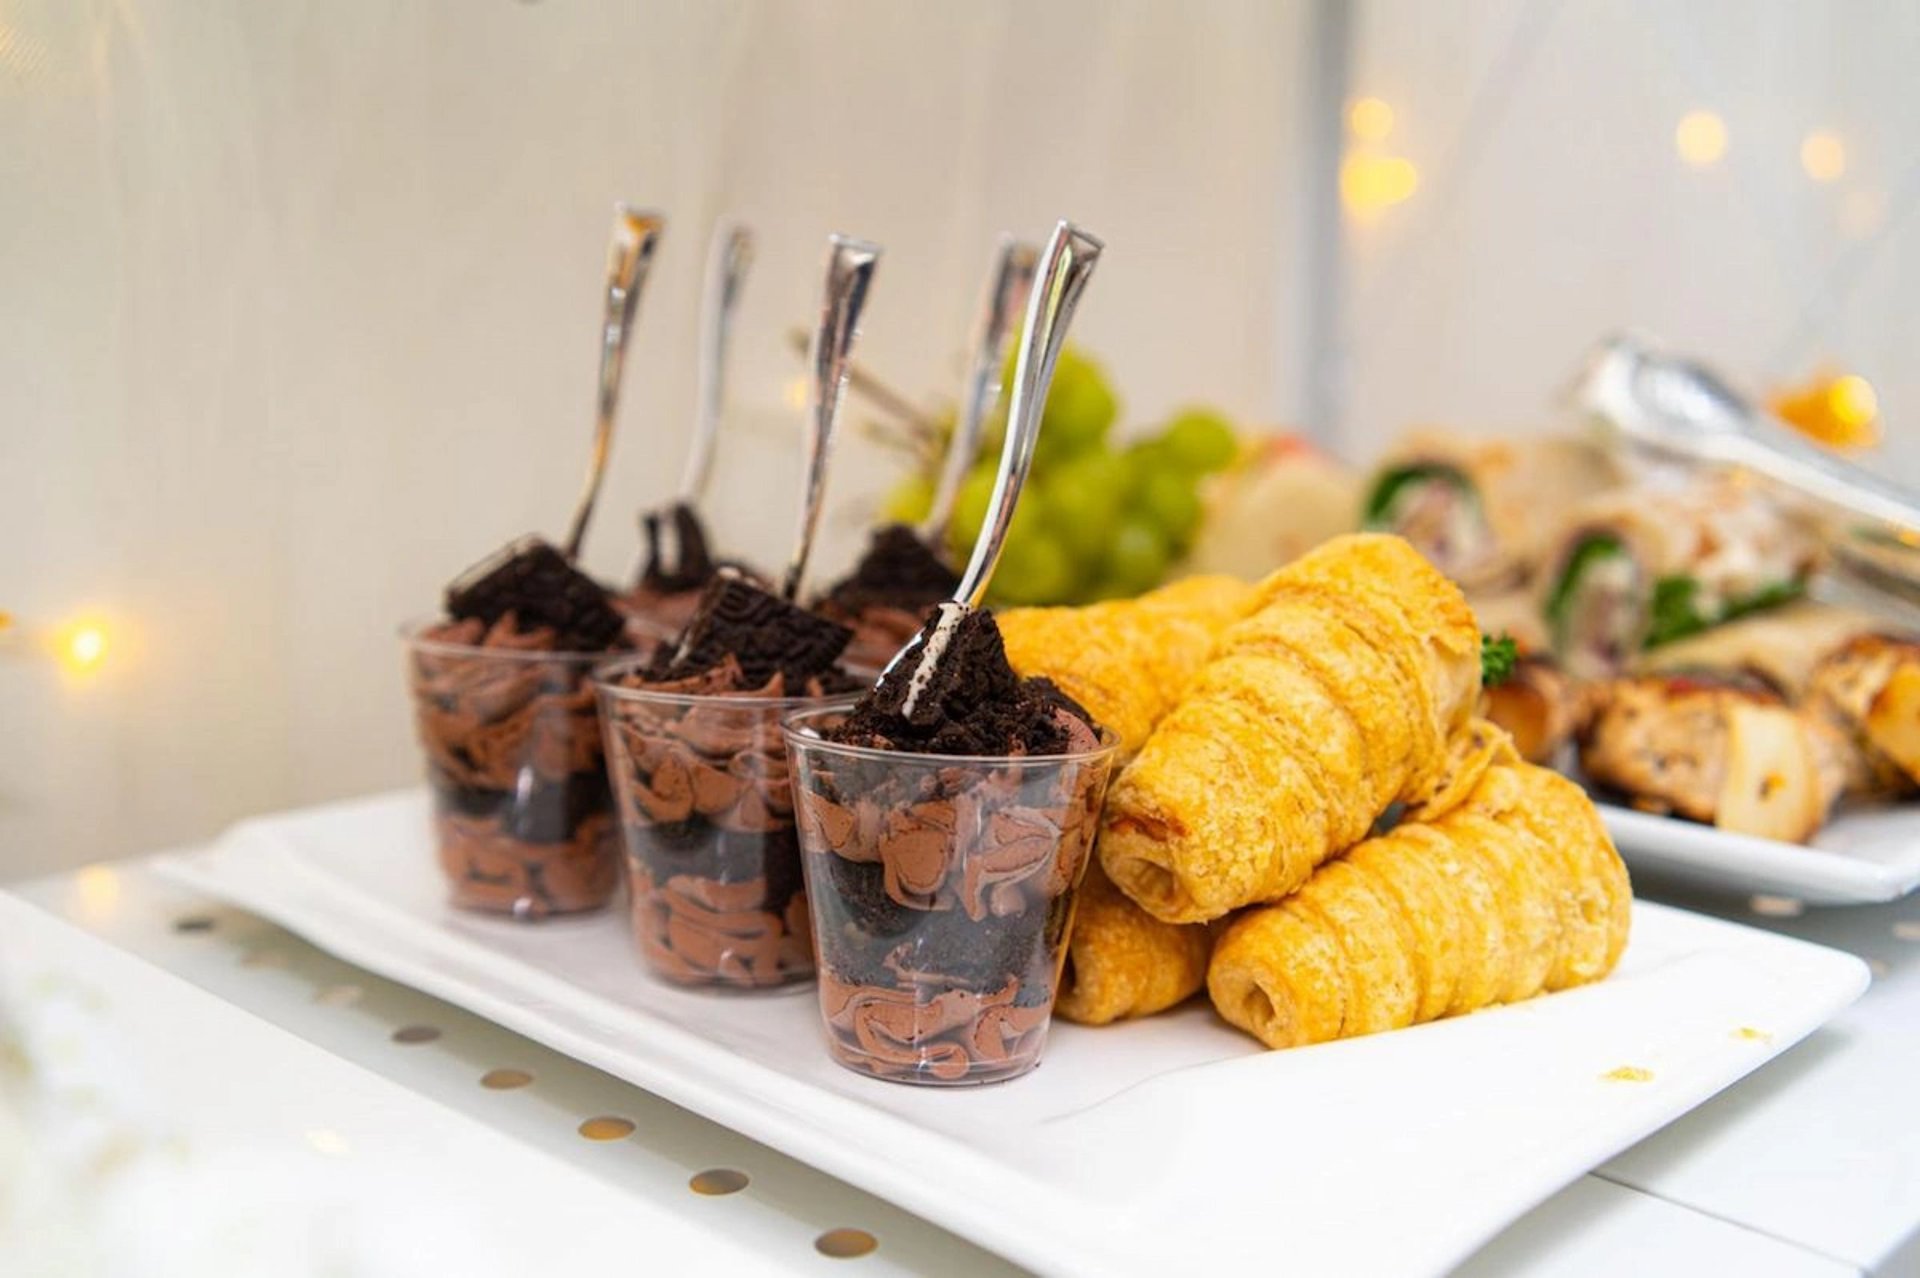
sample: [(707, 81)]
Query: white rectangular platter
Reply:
[(1862, 856), (1133, 1149)]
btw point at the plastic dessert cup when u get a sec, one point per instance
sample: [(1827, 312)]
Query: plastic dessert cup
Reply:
[(522, 819), (701, 784), (943, 889)]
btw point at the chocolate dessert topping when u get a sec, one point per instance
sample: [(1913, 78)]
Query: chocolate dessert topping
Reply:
[(899, 570), (762, 633), (955, 693), (677, 553), (532, 580)]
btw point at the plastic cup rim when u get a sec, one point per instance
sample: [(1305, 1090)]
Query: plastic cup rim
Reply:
[(801, 734), (413, 634), (604, 674)]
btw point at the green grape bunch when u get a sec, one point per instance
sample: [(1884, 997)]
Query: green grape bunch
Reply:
[(1098, 520)]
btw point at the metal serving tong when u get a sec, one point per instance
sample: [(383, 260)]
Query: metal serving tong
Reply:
[(1678, 408)]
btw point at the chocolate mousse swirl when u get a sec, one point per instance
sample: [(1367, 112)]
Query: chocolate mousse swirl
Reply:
[(951, 895), (522, 816), (701, 778), (943, 851), (948, 1036)]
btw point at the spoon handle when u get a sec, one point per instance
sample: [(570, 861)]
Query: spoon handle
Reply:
[(635, 236), (1061, 277), (727, 263), (1001, 303), (850, 264)]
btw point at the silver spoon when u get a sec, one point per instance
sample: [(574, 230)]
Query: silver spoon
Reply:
[(1004, 297), (1062, 276), (850, 264), (635, 236), (727, 263), (1680, 408), (1059, 280)]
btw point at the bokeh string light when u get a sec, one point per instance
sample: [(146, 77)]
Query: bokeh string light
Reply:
[(1371, 180), (1701, 139), (1824, 156), (1370, 119), (80, 646)]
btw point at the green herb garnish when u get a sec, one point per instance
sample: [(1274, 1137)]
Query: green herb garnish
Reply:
[(1498, 656)]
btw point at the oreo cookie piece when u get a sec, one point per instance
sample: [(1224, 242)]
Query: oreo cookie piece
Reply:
[(533, 580), (677, 554), (899, 570), (763, 632), (953, 692)]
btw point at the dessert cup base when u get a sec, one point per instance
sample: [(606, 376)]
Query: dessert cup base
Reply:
[(888, 1071), (729, 985), (525, 909)]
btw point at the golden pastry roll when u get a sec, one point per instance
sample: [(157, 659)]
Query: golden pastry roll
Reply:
[(1122, 962), (1515, 892), (1335, 698), (1126, 661)]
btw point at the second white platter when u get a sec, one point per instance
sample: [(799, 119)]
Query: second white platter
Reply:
[(1861, 857)]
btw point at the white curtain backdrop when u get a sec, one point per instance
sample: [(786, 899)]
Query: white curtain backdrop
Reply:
[(300, 311), (1553, 206), (299, 295)]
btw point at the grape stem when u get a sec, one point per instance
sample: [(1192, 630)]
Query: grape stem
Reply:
[(876, 392)]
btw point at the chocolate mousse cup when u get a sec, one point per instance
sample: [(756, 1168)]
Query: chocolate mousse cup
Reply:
[(522, 818), (700, 780), (942, 889)]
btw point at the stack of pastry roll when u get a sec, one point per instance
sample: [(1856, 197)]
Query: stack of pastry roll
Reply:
[(1127, 661), (1240, 846), (1122, 962), (1334, 698), (1513, 891)]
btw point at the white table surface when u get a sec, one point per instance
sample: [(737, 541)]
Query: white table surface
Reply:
[(236, 1045)]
